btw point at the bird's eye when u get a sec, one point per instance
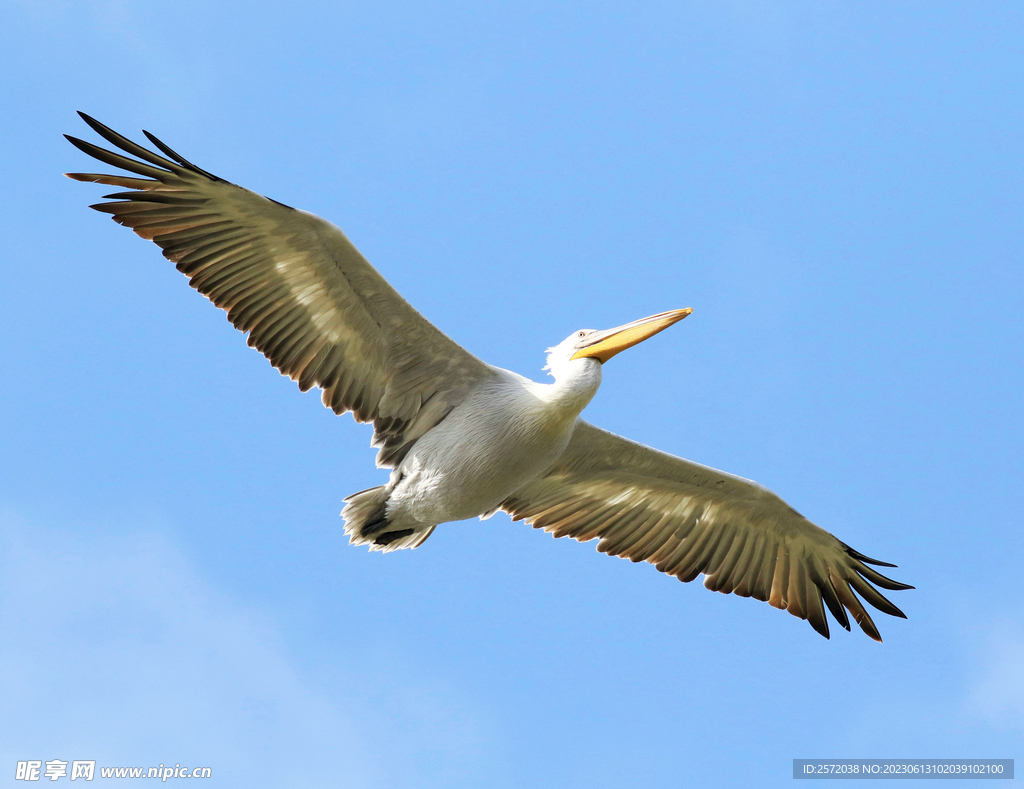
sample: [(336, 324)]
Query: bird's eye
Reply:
[(582, 334)]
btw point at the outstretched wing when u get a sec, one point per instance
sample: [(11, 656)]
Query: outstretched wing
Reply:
[(311, 303), (687, 519)]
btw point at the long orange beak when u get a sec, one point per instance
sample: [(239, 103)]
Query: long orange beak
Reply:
[(604, 345)]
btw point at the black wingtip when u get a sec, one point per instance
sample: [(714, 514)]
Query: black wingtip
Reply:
[(168, 151), (890, 584), (81, 145), (101, 129), (866, 559), (166, 148)]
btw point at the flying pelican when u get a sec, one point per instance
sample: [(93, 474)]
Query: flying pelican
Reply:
[(463, 438)]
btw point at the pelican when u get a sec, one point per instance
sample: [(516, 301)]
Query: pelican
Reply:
[(463, 438)]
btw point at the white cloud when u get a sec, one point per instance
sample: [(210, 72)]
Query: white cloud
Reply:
[(112, 648), (997, 692)]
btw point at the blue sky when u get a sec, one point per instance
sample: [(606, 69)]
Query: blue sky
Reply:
[(835, 190)]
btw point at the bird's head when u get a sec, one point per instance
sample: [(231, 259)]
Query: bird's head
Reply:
[(603, 345)]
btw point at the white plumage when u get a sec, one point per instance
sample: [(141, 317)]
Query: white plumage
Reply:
[(463, 438)]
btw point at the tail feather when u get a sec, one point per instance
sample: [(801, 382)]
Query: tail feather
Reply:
[(366, 523)]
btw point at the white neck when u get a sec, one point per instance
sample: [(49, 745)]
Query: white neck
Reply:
[(576, 383)]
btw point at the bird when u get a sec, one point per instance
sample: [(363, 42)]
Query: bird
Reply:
[(463, 438)]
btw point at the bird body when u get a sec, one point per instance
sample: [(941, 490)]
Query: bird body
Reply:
[(463, 438), (507, 432)]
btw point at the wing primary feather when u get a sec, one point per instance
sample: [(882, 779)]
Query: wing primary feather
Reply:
[(873, 596), (116, 159), (123, 181), (828, 592), (855, 607), (185, 162), (156, 197), (127, 145), (136, 209), (861, 557), (109, 208), (816, 611), (877, 578)]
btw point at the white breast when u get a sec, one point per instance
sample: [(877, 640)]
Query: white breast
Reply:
[(503, 436)]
